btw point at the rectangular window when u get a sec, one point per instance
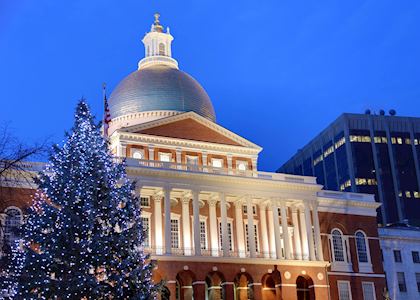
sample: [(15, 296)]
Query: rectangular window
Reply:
[(146, 229), (203, 235), (368, 291), (144, 201), (241, 165), (229, 232), (255, 237), (174, 233), (418, 281), (344, 292), (416, 257), (165, 157), (245, 209), (217, 162), (397, 256), (401, 282), (192, 162)]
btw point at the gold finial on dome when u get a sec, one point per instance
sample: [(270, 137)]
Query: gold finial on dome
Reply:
[(156, 24)]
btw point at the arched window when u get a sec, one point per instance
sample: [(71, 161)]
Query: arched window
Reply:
[(161, 49), (338, 245), (361, 245), (148, 51), (11, 225)]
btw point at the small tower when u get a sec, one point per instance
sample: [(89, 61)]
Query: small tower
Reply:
[(157, 46)]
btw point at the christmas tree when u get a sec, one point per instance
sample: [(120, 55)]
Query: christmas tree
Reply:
[(84, 233)]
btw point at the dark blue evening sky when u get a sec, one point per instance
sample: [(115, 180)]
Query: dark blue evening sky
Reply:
[(278, 72)]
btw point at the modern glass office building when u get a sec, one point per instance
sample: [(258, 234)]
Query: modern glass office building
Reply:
[(367, 153)]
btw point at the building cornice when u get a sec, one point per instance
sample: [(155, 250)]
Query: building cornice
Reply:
[(196, 117), (128, 137)]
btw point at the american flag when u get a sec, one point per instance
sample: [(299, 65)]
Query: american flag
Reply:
[(107, 115)]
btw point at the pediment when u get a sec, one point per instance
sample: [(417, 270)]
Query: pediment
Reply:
[(191, 126)]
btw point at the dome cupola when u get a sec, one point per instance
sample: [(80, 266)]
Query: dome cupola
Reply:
[(158, 88)]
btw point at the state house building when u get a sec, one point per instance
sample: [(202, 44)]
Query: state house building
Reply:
[(217, 227)]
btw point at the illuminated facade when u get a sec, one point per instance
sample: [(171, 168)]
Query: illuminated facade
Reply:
[(217, 227), (365, 153)]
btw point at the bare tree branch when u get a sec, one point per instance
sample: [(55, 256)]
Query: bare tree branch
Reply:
[(15, 168)]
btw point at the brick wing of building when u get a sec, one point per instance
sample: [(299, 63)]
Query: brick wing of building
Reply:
[(217, 227)]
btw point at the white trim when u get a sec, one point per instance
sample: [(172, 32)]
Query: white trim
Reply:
[(357, 274), (348, 286), (373, 288), (286, 284), (319, 286), (239, 260), (365, 267), (198, 282), (196, 117)]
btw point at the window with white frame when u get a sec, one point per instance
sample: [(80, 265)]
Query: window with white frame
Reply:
[(368, 289), (217, 162), (192, 162), (362, 248), (245, 209), (339, 254), (344, 292), (174, 233), (144, 201), (229, 232), (241, 165), (203, 235), (146, 229), (138, 154), (12, 222), (165, 157), (255, 237)]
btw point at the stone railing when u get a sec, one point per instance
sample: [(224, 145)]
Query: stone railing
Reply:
[(141, 163)]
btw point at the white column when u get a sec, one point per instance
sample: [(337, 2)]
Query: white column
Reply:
[(263, 226), (239, 228), (186, 229), (308, 222), (254, 166), (271, 237), (276, 225), (214, 243), (229, 164), (167, 207), (196, 223), (296, 234), (223, 215), (317, 232), (179, 158), (121, 150), (285, 229), (158, 223), (204, 158), (303, 234), (151, 154), (251, 233)]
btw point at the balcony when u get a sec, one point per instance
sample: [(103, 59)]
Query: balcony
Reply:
[(141, 163)]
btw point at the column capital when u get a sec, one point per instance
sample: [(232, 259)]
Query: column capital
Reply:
[(238, 203), (212, 201), (158, 197), (263, 205), (185, 199)]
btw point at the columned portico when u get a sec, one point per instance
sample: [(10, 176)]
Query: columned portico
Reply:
[(213, 234)]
